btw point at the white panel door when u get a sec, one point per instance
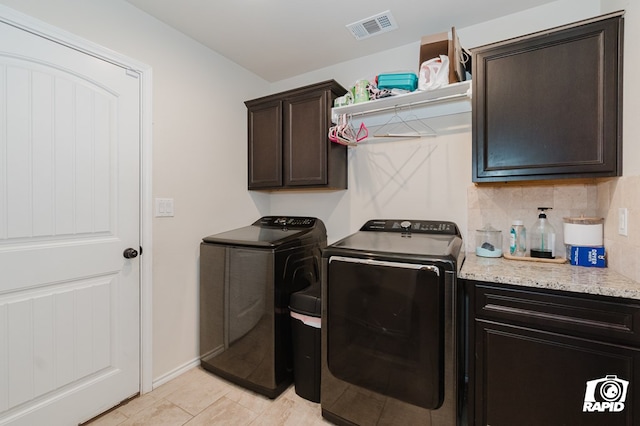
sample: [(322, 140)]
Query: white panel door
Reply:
[(69, 207)]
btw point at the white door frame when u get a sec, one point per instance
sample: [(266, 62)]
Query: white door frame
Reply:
[(144, 72)]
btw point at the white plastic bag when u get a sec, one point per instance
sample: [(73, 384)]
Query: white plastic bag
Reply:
[(434, 73)]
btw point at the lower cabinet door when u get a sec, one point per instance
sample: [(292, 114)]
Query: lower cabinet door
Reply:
[(529, 377)]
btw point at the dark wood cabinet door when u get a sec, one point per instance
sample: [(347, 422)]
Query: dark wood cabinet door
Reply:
[(265, 145), (529, 377), (288, 143), (548, 357), (548, 105), (305, 139)]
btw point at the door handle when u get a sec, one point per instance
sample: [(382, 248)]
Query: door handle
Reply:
[(130, 253)]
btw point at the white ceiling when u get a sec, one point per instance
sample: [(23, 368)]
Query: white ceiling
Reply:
[(278, 39)]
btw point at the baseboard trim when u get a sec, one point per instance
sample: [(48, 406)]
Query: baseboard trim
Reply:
[(176, 372)]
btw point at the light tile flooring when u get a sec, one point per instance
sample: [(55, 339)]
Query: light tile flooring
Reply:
[(198, 398)]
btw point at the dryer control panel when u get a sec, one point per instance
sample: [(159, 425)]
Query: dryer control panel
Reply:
[(415, 226)]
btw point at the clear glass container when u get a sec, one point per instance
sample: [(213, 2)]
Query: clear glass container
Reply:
[(488, 242)]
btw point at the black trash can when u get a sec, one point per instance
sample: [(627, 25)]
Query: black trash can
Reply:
[(306, 308)]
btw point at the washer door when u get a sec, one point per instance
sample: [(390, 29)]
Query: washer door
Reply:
[(385, 328)]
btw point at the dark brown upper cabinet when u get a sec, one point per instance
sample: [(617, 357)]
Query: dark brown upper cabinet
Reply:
[(288, 143), (549, 105)]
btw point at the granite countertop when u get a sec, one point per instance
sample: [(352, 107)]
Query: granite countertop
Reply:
[(566, 277)]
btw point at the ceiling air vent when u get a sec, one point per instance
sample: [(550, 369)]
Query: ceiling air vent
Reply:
[(374, 25)]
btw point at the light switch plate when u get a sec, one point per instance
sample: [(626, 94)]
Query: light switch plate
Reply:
[(622, 221), (164, 207)]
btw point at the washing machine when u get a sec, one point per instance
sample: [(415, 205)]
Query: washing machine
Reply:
[(392, 345), (246, 278)]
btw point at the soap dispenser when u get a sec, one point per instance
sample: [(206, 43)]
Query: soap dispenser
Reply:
[(543, 237)]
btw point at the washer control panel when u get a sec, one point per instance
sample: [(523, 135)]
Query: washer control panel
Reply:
[(286, 222), (416, 226)]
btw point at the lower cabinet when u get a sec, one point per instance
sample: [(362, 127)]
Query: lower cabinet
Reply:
[(542, 357)]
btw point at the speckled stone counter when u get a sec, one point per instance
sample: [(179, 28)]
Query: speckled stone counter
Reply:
[(579, 279)]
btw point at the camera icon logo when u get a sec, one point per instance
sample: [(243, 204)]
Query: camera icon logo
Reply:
[(607, 394)]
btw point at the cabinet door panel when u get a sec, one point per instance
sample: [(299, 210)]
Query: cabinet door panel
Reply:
[(305, 139), (527, 377), (548, 105), (265, 145)]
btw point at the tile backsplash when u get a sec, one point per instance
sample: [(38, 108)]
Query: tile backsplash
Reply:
[(499, 205), (623, 252)]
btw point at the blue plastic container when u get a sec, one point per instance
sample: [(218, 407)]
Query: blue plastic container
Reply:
[(406, 81)]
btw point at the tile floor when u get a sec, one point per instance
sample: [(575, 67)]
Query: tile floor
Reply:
[(199, 398)]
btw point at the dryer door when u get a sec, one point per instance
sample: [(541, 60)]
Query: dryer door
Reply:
[(385, 328)]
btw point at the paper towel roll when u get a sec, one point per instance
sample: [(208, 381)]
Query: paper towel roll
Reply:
[(583, 231)]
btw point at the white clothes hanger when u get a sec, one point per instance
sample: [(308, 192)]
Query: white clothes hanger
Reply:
[(397, 126)]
